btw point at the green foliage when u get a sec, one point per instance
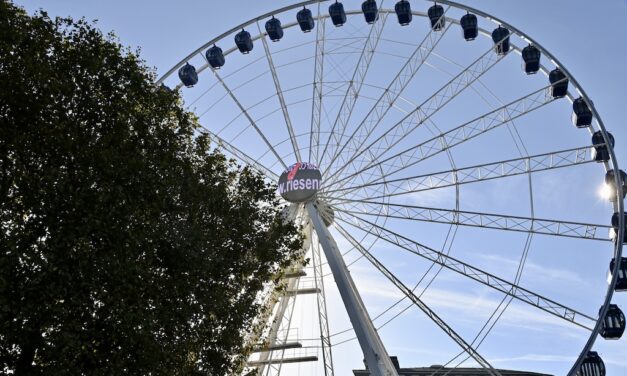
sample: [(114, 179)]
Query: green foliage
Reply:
[(128, 245)]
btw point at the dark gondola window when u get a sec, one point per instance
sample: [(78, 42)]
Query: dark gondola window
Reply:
[(470, 26), (500, 36), (370, 10), (274, 29), (337, 14), (215, 57), (621, 279), (188, 75), (244, 42), (615, 227), (611, 183), (305, 20), (592, 365), (582, 116), (436, 17), (613, 324), (531, 59), (403, 12), (559, 83), (600, 151)]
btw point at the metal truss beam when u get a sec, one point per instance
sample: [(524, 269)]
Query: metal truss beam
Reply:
[(316, 100), (477, 219), (268, 363), (352, 93), (281, 323), (287, 345), (467, 270), (323, 317), (249, 118), (376, 356), (391, 94), (419, 303), (300, 359), (458, 135), (424, 111), (474, 174), (279, 93)]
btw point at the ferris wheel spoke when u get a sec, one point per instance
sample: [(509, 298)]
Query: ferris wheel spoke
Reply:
[(361, 164), (419, 303), (354, 87), (242, 156), (420, 114), (316, 100), (478, 219), (458, 135), (391, 94), (249, 118), (279, 93), (467, 175), (545, 304), (239, 70)]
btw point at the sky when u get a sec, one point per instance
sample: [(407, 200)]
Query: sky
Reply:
[(586, 38)]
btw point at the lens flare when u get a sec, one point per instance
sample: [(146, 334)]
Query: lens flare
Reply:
[(606, 192)]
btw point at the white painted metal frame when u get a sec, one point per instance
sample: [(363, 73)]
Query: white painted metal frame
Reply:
[(354, 88), (392, 136), (453, 137), (421, 114), (391, 94), (316, 100), (465, 269), (474, 174), (542, 226), (376, 356)]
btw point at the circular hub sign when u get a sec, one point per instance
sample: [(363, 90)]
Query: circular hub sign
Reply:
[(300, 182)]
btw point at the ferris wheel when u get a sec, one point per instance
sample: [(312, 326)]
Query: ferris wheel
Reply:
[(406, 137)]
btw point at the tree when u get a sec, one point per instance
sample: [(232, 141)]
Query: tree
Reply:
[(128, 245)]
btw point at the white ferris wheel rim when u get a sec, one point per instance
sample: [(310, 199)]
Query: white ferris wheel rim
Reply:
[(612, 165)]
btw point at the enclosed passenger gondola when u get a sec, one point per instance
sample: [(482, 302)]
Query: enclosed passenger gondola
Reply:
[(559, 83), (403, 12), (337, 13), (188, 75), (370, 10), (582, 116), (500, 36), (610, 181), (615, 227), (215, 57), (274, 29), (592, 365), (613, 325), (305, 20), (470, 26), (436, 17), (600, 150), (621, 280), (244, 42), (531, 59)]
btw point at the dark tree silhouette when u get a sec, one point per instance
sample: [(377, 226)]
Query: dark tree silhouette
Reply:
[(128, 245)]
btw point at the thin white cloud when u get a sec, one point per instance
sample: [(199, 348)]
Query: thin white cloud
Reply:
[(472, 306), (536, 358), (535, 271), (442, 197)]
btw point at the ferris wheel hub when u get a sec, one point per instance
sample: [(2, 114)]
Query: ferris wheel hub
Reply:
[(300, 182)]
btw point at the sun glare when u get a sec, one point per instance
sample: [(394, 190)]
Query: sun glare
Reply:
[(606, 192)]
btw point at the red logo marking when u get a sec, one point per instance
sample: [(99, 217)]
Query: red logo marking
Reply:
[(292, 172)]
